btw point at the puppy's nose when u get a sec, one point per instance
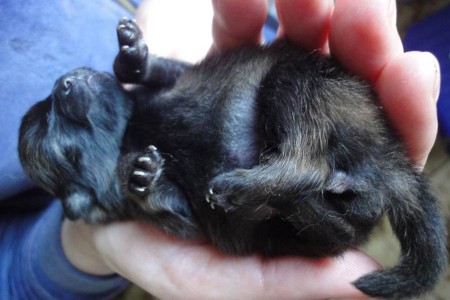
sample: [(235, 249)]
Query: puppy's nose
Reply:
[(67, 83)]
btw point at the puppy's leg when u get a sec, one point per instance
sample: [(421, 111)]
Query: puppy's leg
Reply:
[(271, 181), (155, 198), (134, 64), (280, 191)]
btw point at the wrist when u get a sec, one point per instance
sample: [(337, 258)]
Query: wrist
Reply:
[(78, 246)]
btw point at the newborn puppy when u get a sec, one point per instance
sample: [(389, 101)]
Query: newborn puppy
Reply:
[(262, 149)]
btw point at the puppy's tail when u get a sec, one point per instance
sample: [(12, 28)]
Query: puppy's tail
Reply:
[(422, 235)]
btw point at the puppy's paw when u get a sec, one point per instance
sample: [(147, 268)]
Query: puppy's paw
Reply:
[(146, 170), (226, 191), (131, 61), (215, 199), (131, 43), (128, 32)]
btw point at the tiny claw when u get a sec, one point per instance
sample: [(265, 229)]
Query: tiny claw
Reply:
[(152, 148), (121, 26), (144, 159), (139, 173), (209, 194), (208, 198), (125, 48), (123, 19), (141, 189)]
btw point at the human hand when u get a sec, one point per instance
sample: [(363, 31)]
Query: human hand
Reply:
[(362, 36), (170, 268)]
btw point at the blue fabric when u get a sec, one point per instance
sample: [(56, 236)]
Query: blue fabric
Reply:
[(270, 28), (432, 34), (39, 41), (33, 265)]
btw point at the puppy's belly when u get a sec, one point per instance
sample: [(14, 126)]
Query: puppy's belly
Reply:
[(240, 133)]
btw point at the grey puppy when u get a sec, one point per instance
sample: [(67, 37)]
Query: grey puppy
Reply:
[(266, 150)]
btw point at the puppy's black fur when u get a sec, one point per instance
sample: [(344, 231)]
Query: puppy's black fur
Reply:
[(262, 149)]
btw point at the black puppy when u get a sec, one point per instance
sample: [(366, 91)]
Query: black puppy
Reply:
[(263, 149)]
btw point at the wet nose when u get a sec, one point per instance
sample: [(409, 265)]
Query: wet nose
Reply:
[(71, 79), (67, 83)]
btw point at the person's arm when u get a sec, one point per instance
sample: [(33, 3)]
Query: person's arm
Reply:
[(34, 266)]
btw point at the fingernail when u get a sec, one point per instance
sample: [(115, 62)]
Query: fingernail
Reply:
[(392, 12), (437, 80), (437, 77)]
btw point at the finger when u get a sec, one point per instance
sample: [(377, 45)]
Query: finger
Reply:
[(408, 89), (305, 22), (171, 268), (363, 36), (160, 23), (238, 23)]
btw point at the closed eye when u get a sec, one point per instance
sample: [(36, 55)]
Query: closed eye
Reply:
[(74, 156)]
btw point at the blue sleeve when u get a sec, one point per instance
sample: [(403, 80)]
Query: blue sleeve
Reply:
[(40, 41), (33, 265)]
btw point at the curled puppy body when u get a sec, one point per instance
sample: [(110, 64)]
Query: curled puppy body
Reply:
[(264, 149)]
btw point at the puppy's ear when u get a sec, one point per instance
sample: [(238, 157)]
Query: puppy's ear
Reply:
[(77, 205)]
